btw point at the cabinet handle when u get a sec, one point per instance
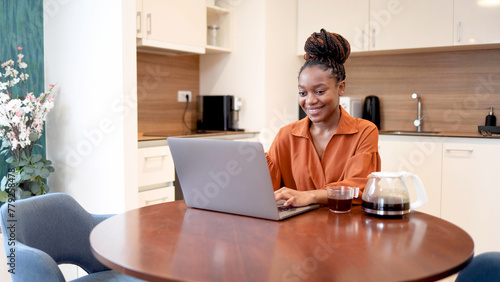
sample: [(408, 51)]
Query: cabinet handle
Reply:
[(459, 150), (373, 38), (139, 21), (158, 156), (459, 32), (363, 40), (157, 201), (148, 17)]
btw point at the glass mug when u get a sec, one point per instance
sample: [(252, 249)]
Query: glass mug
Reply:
[(340, 198)]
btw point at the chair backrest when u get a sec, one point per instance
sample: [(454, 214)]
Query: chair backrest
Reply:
[(55, 224)]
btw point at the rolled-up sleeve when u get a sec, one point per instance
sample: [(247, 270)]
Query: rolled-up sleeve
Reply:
[(274, 171)]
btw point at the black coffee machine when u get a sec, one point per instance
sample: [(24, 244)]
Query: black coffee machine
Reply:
[(371, 110), (217, 113)]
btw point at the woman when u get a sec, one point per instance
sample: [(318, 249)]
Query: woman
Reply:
[(328, 147)]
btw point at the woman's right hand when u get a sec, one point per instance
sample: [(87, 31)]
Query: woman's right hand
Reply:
[(294, 197)]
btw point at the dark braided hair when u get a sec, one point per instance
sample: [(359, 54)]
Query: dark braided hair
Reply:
[(327, 50)]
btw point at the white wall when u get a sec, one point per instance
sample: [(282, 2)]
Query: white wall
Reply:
[(262, 68), (92, 131), (282, 67), (241, 72)]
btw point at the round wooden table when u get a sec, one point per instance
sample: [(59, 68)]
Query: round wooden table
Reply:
[(173, 242)]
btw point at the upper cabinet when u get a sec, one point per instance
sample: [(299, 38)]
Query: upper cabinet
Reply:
[(371, 25), (348, 18), (476, 22), (174, 25), (406, 24), (187, 26)]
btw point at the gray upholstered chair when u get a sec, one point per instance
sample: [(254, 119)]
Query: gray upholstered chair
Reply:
[(52, 229)]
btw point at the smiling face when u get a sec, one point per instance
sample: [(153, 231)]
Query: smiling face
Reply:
[(319, 95)]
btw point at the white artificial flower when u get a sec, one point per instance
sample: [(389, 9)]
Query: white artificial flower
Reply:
[(8, 71), (4, 121), (23, 135), (16, 114), (14, 105), (3, 98), (11, 83), (7, 63), (14, 143), (16, 119)]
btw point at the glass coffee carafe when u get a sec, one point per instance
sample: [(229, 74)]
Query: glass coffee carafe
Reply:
[(386, 194)]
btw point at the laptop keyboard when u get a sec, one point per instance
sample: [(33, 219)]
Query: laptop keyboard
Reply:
[(287, 208)]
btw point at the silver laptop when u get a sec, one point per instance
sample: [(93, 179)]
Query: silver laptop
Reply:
[(227, 176)]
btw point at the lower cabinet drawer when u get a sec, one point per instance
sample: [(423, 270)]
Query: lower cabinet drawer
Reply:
[(156, 196), (155, 166)]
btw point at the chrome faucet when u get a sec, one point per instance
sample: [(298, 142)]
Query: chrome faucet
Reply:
[(418, 121)]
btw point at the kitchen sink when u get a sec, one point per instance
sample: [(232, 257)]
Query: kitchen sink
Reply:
[(403, 132)]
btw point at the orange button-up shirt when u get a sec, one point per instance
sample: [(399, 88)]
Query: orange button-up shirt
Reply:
[(349, 157)]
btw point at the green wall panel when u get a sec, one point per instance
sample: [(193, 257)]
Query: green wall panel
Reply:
[(21, 24)]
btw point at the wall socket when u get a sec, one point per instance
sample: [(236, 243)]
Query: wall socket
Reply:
[(181, 96)]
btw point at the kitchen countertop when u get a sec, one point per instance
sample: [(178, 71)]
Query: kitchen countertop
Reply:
[(440, 134), (142, 137), (161, 139)]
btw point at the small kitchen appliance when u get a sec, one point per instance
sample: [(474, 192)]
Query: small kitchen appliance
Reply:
[(371, 110), (352, 106), (217, 113), (386, 194)]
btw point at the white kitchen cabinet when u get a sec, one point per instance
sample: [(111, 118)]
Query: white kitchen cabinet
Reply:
[(378, 24), (347, 18), (420, 156), (476, 22), (155, 166), (156, 196), (156, 175), (371, 25), (138, 18), (463, 170), (179, 26), (405, 24), (471, 189)]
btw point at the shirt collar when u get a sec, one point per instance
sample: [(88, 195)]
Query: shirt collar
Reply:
[(347, 125)]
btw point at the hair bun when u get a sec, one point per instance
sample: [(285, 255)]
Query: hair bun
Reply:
[(327, 46)]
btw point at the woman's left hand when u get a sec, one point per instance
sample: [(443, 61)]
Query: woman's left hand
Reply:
[(294, 197)]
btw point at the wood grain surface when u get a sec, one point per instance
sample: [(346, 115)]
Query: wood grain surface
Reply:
[(173, 242), (159, 77), (457, 87)]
